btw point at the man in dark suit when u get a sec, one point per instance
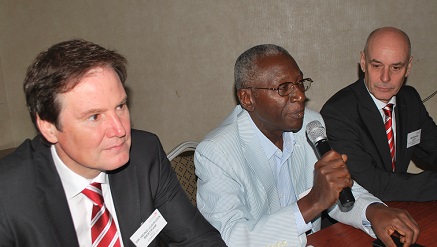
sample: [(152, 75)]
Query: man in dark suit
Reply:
[(86, 150), (380, 141)]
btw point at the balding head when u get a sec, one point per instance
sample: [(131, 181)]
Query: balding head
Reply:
[(386, 62), (388, 35)]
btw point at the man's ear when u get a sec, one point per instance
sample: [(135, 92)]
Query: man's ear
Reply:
[(363, 62), (245, 97), (47, 129)]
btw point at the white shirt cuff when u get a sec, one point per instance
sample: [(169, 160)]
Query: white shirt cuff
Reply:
[(302, 227)]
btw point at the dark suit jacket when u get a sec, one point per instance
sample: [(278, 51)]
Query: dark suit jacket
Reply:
[(34, 210), (355, 127)]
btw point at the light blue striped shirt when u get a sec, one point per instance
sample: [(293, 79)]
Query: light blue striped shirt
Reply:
[(279, 164)]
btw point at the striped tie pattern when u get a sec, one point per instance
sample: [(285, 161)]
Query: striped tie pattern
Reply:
[(389, 131), (103, 228)]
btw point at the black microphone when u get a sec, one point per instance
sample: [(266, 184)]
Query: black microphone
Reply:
[(317, 135)]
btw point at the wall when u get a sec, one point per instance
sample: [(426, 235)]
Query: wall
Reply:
[(181, 53)]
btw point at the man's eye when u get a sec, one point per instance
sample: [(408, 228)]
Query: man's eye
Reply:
[(94, 117), (285, 87), (121, 106), (300, 85)]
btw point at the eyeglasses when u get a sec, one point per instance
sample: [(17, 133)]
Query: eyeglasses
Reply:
[(286, 88)]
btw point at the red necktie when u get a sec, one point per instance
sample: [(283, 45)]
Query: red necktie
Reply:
[(103, 228), (389, 131)]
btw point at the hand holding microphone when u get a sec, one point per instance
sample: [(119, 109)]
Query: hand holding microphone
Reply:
[(317, 135)]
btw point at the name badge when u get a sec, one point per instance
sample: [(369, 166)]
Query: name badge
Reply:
[(413, 138), (149, 229)]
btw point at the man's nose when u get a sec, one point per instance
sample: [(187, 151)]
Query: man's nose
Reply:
[(385, 75), (297, 96), (116, 127)]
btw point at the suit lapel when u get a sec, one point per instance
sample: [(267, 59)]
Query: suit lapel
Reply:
[(52, 199), (371, 118), (257, 160), (125, 193), (401, 112)]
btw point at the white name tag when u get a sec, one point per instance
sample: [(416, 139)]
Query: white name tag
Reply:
[(413, 138), (149, 229)]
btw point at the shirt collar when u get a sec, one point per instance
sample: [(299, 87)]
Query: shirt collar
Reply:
[(269, 148), (379, 104), (72, 182)]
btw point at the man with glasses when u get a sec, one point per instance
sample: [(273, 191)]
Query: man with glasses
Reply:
[(260, 183)]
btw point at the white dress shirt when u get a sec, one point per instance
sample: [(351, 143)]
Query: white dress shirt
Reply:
[(80, 205), (379, 104)]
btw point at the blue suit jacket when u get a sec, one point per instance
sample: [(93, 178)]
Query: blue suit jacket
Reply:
[(237, 192), (34, 209)]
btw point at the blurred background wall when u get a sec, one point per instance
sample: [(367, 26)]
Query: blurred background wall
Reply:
[(181, 53)]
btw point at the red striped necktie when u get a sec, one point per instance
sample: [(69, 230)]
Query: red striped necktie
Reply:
[(389, 131), (103, 228)]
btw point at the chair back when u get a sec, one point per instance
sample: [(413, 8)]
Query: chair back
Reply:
[(182, 161)]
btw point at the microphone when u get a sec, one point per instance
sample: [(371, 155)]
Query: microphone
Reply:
[(317, 135)]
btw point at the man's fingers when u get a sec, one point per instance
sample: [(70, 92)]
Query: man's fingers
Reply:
[(409, 230), (386, 239), (344, 157)]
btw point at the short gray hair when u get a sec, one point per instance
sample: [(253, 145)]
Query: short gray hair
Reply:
[(246, 67)]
